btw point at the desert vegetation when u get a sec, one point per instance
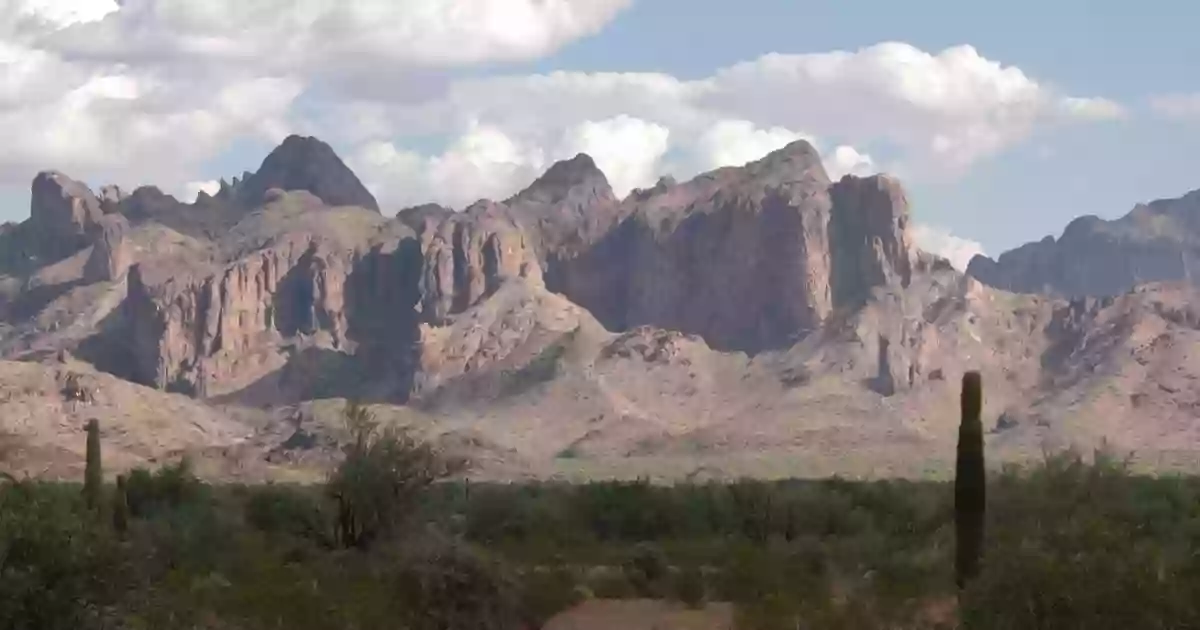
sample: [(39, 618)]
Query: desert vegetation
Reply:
[(394, 540)]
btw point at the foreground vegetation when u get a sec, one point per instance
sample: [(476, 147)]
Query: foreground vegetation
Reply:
[(1069, 544)]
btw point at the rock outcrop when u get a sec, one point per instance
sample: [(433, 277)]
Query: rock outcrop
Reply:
[(749, 258), (111, 197), (568, 208), (64, 215), (869, 243), (1155, 242), (293, 272), (111, 251), (304, 163), (470, 256)]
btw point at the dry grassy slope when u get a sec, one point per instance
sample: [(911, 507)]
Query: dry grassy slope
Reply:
[(1130, 376), (44, 429), (662, 404)]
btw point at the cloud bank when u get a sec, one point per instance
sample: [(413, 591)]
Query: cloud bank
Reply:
[(412, 92)]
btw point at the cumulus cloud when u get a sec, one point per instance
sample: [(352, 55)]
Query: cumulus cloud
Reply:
[(1177, 106), (628, 150), (138, 91), (54, 14), (487, 162), (191, 190), (278, 35), (737, 142), (937, 114), (949, 109), (935, 240)]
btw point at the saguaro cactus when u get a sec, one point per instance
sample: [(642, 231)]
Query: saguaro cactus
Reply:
[(969, 483), (120, 507), (93, 475)]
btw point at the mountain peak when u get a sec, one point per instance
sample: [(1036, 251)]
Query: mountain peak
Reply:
[(307, 163), (798, 160), (578, 174), (795, 152)]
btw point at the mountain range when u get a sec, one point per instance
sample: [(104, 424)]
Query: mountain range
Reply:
[(760, 320)]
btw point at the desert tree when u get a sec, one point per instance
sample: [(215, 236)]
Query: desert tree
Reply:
[(379, 481)]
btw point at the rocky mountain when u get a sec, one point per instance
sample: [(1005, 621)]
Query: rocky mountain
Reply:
[(304, 163), (758, 320), (1155, 242)]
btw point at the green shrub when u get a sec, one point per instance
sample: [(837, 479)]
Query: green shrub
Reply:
[(288, 511), (167, 488), (444, 585), (647, 569), (59, 566)]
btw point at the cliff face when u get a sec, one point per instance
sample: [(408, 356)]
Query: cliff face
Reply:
[(182, 327), (470, 255), (64, 215), (749, 258), (1155, 242), (291, 277), (111, 250)]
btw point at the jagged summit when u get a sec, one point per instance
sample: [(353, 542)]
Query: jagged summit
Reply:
[(575, 179), (306, 163), (796, 159)]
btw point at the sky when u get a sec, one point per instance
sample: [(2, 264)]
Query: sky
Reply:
[(1003, 120)]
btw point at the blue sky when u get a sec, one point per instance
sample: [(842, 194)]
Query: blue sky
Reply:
[(467, 110)]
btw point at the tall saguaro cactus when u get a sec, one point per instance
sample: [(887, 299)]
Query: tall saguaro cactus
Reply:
[(121, 507), (93, 474), (970, 491)]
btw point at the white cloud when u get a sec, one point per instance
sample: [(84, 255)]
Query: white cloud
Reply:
[(144, 91), (1091, 108), (1177, 106), (737, 142), (846, 160), (937, 114), (948, 109), (959, 251), (628, 150), (62, 13), (288, 35), (483, 162), (487, 162), (153, 90), (192, 190)]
